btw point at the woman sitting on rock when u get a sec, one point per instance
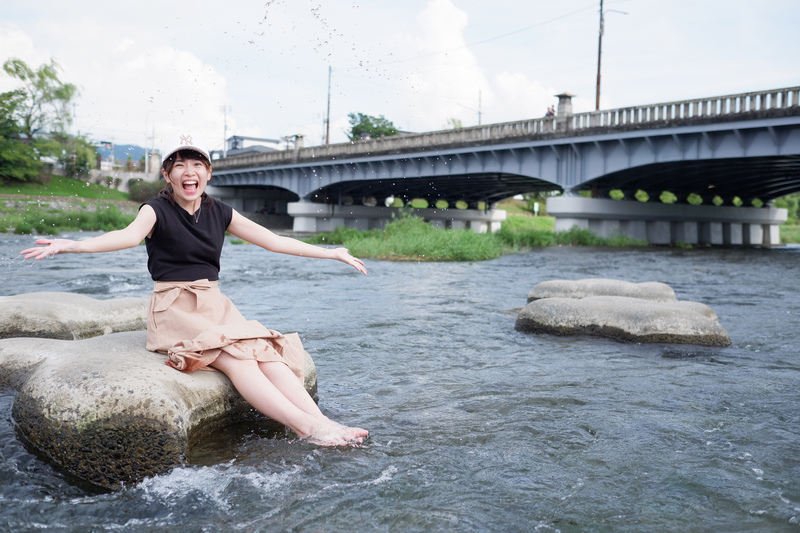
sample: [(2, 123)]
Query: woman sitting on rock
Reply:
[(191, 320)]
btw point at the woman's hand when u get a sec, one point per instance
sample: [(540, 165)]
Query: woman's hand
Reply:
[(120, 239), (343, 255), (49, 248)]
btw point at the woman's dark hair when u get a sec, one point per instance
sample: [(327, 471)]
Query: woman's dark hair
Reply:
[(184, 154), (167, 193)]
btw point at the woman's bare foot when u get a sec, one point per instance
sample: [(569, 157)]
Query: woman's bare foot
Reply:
[(330, 433)]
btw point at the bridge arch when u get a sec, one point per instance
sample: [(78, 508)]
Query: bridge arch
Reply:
[(470, 188), (748, 159), (764, 178)]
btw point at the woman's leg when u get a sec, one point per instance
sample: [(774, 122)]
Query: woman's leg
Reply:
[(260, 392), (284, 379)]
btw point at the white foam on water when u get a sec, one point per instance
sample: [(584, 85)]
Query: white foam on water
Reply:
[(385, 476), (123, 287), (208, 482), (214, 484), (268, 481)]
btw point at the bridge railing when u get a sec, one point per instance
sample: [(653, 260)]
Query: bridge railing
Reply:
[(395, 143), (717, 106), (720, 107)]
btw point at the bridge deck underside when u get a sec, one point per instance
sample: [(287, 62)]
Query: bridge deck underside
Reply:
[(473, 188), (765, 178)]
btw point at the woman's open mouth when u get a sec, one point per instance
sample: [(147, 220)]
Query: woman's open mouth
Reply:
[(190, 186)]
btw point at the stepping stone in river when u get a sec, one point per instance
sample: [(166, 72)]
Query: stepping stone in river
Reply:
[(62, 315), (565, 307)]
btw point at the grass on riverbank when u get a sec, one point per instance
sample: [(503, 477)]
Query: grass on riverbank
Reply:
[(62, 187), (790, 234), (50, 221), (410, 238), (63, 204)]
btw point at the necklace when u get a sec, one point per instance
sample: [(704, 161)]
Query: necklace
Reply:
[(197, 214)]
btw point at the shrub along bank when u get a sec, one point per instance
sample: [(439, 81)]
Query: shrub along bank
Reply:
[(409, 238)]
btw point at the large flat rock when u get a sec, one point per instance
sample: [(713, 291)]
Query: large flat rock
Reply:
[(62, 315), (105, 409), (110, 412), (624, 318)]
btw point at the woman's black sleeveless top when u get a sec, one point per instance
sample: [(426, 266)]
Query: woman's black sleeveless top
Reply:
[(187, 247)]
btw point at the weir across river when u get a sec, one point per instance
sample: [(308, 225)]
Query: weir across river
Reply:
[(719, 152)]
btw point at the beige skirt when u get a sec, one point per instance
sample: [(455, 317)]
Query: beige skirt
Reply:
[(193, 322)]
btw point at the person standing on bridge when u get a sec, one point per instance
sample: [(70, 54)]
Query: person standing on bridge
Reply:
[(190, 320)]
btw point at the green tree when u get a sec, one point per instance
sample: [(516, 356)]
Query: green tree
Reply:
[(367, 125), (18, 161), (791, 202), (46, 102), (41, 116), (75, 154)]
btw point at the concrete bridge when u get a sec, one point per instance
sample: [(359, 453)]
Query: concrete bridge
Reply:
[(721, 151)]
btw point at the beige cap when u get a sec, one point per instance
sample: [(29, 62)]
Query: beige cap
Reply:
[(186, 143)]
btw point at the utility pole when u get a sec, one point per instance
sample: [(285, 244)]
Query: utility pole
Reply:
[(225, 130), (599, 54), (600, 50), (328, 116)]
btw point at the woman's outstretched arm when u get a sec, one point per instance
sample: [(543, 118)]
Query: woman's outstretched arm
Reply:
[(248, 230), (127, 237)]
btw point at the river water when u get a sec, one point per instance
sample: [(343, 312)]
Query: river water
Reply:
[(474, 426)]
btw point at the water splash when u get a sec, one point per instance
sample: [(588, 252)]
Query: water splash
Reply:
[(17, 262), (213, 484)]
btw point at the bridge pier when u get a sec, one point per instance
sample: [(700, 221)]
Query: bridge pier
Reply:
[(265, 206), (313, 217), (659, 223)]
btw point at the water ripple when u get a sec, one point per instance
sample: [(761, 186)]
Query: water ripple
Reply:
[(474, 426)]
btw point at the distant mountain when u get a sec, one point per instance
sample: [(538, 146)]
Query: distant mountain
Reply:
[(121, 152)]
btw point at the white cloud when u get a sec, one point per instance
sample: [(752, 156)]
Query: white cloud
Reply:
[(447, 83), (450, 82), (154, 90), (15, 43), (515, 96)]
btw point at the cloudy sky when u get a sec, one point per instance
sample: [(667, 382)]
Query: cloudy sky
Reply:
[(149, 71)]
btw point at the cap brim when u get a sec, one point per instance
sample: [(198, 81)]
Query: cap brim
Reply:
[(186, 147)]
